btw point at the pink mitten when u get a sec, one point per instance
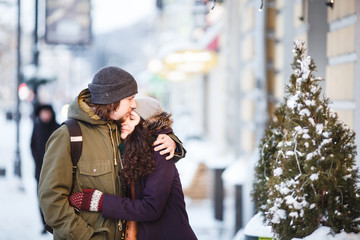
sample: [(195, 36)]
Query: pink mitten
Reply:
[(87, 200)]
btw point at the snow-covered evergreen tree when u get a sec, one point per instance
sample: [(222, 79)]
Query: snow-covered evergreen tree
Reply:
[(267, 150), (311, 176)]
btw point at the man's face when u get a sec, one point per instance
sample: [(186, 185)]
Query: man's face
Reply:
[(128, 125), (125, 107)]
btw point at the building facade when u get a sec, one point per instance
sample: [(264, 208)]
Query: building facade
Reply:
[(257, 50)]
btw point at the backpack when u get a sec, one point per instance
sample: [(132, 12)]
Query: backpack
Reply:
[(75, 150)]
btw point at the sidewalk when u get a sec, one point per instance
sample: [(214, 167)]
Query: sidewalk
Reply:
[(205, 226), (20, 218)]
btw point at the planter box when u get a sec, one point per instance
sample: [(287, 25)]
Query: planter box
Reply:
[(247, 237), (255, 229)]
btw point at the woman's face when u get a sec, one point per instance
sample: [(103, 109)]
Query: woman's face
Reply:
[(128, 125)]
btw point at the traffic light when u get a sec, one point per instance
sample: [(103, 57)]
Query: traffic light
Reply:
[(23, 91)]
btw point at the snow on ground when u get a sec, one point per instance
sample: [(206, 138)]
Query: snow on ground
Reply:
[(20, 217), (324, 233), (255, 227)]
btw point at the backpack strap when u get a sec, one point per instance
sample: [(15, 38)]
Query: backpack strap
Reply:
[(75, 145), (75, 149)]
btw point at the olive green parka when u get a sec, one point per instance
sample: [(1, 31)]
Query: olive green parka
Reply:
[(98, 168)]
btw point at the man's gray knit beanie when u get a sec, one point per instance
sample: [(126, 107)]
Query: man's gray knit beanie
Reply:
[(147, 107), (112, 84)]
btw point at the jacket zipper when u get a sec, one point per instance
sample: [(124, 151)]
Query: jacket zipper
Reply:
[(113, 144), (120, 224)]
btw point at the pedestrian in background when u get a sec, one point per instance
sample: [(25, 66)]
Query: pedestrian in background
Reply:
[(44, 125)]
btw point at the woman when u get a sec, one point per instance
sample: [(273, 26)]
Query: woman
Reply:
[(159, 207)]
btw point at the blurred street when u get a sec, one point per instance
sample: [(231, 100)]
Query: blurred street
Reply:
[(221, 68)]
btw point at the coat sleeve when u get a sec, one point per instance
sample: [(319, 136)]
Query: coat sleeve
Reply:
[(55, 186), (153, 199), (180, 151)]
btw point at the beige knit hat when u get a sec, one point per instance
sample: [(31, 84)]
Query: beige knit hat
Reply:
[(147, 107)]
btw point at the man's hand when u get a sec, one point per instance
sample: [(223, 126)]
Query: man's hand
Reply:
[(166, 145)]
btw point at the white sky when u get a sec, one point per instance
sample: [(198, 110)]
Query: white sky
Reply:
[(111, 14)]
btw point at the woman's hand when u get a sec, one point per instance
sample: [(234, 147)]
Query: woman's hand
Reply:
[(87, 200), (165, 145)]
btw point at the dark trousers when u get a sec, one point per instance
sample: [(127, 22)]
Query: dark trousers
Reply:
[(41, 214)]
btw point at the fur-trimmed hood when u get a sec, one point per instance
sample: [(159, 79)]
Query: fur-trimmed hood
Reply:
[(158, 122)]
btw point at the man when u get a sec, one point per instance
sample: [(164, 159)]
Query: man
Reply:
[(108, 99)]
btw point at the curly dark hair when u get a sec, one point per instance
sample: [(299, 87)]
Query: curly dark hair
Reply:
[(138, 158)]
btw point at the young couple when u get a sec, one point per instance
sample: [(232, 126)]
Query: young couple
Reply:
[(159, 206)]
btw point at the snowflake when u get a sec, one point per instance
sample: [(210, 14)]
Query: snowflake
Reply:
[(310, 102), (304, 112), (311, 120), (319, 128), (290, 200), (332, 115), (277, 215), (306, 136), (304, 64), (278, 171), (311, 155), (289, 153), (299, 129), (314, 176), (292, 102), (314, 89), (347, 176), (298, 81), (324, 142), (337, 212), (326, 134), (276, 212), (299, 44)]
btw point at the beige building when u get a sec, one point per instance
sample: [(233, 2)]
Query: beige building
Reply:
[(255, 65), (258, 50)]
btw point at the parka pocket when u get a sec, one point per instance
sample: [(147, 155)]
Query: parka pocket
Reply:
[(94, 167), (96, 174)]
